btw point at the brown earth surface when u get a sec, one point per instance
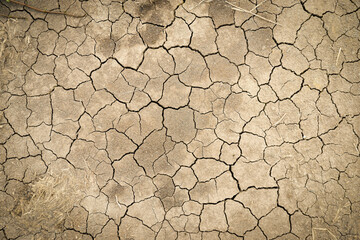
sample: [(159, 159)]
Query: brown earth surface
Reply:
[(180, 119)]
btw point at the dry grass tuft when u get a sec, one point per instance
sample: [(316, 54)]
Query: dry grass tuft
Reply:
[(3, 42), (48, 202)]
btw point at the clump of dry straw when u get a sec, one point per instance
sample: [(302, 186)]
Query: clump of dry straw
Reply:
[(48, 202)]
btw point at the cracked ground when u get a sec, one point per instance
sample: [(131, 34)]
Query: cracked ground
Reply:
[(180, 120)]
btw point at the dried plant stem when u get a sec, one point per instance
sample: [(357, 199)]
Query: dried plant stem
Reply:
[(338, 56), (45, 11), (322, 229), (258, 5), (197, 5), (234, 7), (280, 120)]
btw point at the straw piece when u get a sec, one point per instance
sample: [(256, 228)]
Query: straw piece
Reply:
[(322, 229), (280, 120), (234, 7), (338, 56), (258, 5)]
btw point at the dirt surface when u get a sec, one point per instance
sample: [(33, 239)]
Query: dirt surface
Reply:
[(180, 120)]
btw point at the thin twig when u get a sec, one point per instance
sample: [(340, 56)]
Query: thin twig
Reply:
[(45, 11), (234, 7), (117, 201), (323, 229), (338, 56), (197, 5), (356, 148), (258, 5), (280, 120)]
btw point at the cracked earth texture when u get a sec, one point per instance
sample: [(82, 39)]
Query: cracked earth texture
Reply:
[(180, 120)]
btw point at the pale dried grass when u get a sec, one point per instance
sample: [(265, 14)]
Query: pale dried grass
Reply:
[(48, 202)]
